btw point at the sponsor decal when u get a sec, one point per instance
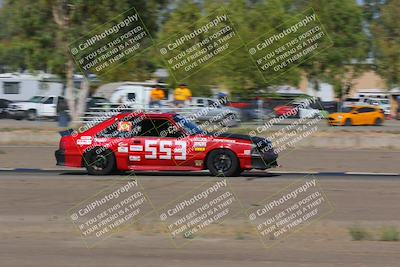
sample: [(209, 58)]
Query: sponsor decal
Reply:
[(84, 140), (200, 144), (124, 126), (199, 149), (198, 162), (100, 140), (225, 140), (200, 139), (134, 158), (136, 148), (247, 152), (123, 149), (123, 144)]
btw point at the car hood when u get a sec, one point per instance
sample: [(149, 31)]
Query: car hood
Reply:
[(337, 114), (23, 103)]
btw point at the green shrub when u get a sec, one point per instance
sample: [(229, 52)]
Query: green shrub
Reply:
[(390, 234), (188, 235), (358, 233), (239, 236)]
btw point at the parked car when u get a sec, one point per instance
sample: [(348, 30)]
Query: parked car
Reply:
[(5, 108), (211, 110), (309, 112), (252, 111), (37, 106), (383, 103), (330, 106), (351, 102), (313, 109), (289, 111), (358, 115)]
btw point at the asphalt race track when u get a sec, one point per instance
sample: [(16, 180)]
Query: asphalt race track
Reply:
[(36, 229)]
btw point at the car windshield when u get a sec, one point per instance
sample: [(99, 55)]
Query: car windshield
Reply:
[(36, 99), (190, 127), (347, 110)]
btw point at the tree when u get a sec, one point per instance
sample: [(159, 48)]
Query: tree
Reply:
[(343, 21), (74, 17), (386, 32), (26, 36), (185, 19), (238, 69), (37, 33)]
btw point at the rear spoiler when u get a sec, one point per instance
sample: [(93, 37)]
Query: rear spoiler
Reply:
[(66, 132)]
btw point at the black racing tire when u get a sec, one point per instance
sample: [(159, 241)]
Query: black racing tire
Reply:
[(238, 172), (101, 163), (348, 122), (223, 162), (31, 115), (378, 122)]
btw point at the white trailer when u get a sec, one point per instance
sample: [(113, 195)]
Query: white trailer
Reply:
[(22, 86), (137, 94)]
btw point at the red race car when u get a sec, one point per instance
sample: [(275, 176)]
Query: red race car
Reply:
[(286, 110), (161, 142)]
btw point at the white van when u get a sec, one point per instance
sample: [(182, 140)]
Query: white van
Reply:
[(137, 94)]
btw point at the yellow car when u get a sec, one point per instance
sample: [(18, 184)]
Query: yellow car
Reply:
[(357, 115)]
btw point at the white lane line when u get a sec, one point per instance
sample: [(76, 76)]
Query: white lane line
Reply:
[(7, 169), (373, 173)]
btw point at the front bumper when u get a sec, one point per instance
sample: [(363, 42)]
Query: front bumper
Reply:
[(334, 122), (264, 160), (16, 113), (60, 157)]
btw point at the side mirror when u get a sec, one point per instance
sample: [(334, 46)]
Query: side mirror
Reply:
[(354, 112)]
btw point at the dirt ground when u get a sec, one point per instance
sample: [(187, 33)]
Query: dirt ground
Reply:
[(322, 160), (35, 230)]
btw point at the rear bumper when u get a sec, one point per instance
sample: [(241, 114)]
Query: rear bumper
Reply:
[(60, 157), (264, 160)]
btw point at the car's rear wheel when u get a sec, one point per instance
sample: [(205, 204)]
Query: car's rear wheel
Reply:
[(348, 122), (378, 122), (102, 163), (223, 162)]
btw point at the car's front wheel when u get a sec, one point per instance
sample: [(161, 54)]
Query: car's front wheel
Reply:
[(31, 115), (348, 122), (378, 122), (223, 162), (99, 162)]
